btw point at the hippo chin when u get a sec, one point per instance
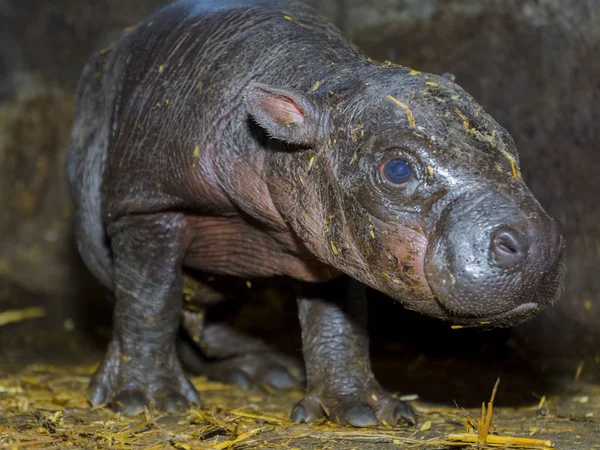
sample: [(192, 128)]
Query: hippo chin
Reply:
[(251, 139)]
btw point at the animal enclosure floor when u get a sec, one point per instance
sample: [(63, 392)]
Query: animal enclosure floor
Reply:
[(44, 406), (46, 361)]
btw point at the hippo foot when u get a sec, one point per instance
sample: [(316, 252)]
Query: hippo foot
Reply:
[(143, 378), (366, 408), (269, 370)]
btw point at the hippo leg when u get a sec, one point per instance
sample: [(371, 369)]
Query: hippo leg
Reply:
[(230, 356), (141, 367), (336, 353)]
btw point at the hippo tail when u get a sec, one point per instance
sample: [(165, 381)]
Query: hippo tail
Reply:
[(86, 159)]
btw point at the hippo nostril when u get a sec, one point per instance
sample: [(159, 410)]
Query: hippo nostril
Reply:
[(507, 248)]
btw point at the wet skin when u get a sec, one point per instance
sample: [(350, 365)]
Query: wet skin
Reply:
[(251, 139)]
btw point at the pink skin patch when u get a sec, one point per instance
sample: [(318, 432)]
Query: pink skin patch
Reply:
[(284, 111), (408, 247)]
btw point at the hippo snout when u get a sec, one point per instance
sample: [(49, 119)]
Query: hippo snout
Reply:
[(494, 258)]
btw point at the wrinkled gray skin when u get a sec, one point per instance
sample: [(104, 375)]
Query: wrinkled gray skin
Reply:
[(251, 139)]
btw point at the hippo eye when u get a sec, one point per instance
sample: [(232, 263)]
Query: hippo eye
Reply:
[(397, 171)]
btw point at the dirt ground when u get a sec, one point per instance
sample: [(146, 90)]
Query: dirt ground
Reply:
[(46, 362), (45, 407)]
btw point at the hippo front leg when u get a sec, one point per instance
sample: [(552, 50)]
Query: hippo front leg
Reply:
[(340, 383), (141, 367)]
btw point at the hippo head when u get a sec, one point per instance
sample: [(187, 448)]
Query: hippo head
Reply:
[(402, 181)]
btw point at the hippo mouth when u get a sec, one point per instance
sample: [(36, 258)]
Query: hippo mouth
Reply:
[(505, 319)]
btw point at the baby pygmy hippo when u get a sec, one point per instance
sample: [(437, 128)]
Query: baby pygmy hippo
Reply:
[(251, 139)]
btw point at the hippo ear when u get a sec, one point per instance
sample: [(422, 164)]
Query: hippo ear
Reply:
[(286, 115)]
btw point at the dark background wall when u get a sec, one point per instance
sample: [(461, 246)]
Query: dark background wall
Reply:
[(533, 64)]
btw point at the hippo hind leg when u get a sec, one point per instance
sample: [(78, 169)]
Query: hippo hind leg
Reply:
[(222, 353)]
